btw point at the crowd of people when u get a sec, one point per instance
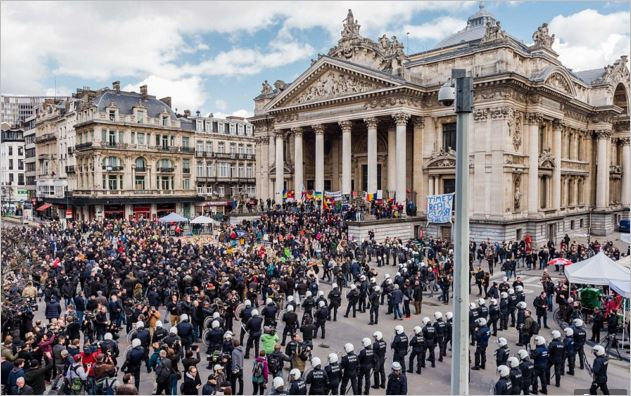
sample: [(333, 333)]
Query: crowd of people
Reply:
[(256, 290)]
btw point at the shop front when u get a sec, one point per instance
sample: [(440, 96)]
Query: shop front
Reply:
[(165, 209), (141, 212), (114, 211)]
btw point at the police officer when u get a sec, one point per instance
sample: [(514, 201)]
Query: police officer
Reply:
[(269, 313), (450, 318), (502, 353), (519, 293), (278, 385), (527, 370), (379, 347), (353, 297), (363, 293), (482, 335), (134, 359), (473, 317), (291, 323), (245, 315), (399, 345), (317, 379), (349, 369), (556, 352), (441, 335), (521, 313), (570, 352), (374, 305), (483, 310), (335, 300), (297, 386), (494, 315), (599, 370), (367, 361), (503, 311), (320, 318), (512, 305), (540, 356), (417, 342), (580, 335), (214, 337), (429, 334), (515, 375), (254, 328), (397, 381), (503, 386), (333, 373)]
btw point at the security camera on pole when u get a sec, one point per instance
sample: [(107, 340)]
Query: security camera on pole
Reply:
[(459, 89)]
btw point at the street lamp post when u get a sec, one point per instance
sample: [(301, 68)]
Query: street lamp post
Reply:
[(460, 360)]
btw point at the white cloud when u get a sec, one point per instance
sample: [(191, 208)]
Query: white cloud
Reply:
[(437, 29), (114, 40), (185, 93), (221, 105), (589, 40)]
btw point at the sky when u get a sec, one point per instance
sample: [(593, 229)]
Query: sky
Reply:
[(213, 56)]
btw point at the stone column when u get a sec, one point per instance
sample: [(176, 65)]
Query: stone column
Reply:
[(371, 125), (319, 158), (431, 186), (575, 193), (392, 160), (280, 169), (417, 161), (626, 172), (346, 156), (401, 120), (534, 120), (298, 167), (556, 172), (602, 169), (263, 159), (271, 160)]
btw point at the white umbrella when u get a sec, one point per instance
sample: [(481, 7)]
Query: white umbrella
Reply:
[(173, 218)]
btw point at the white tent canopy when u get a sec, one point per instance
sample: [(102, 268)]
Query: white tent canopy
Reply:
[(173, 218), (620, 287), (204, 220), (596, 270), (625, 261)]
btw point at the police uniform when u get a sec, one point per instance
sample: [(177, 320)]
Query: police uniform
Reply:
[(429, 334), (400, 347), (441, 337), (482, 341), (417, 343), (349, 366), (540, 356), (367, 362), (334, 376), (379, 347), (557, 353), (318, 381), (600, 375)]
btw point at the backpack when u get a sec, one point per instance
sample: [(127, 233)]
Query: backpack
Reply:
[(76, 384), (257, 371), (534, 328)]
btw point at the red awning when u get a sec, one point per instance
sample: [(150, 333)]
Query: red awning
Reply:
[(44, 207)]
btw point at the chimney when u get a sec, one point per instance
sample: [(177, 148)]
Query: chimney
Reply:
[(116, 86), (143, 90), (187, 113), (166, 101)]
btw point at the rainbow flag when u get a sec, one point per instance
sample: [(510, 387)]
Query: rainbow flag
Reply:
[(317, 194), (370, 197)]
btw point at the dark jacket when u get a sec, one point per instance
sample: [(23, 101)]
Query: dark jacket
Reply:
[(189, 386), (53, 309), (397, 384), (35, 377)]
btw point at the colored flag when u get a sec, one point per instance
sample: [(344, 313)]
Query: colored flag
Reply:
[(290, 194), (317, 194)]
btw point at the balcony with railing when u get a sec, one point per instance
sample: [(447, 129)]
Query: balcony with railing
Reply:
[(113, 168), (47, 137), (162, 169), (140, 169), (186, 170), (83, 146), (70, 169)]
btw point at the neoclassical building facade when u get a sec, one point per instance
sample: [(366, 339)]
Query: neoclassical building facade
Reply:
[(549, 150)]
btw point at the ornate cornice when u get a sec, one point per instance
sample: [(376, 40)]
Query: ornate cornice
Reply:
[(602, 133), (625, 140), (401, 118), (419, 122), (480, 114), (297, 130)]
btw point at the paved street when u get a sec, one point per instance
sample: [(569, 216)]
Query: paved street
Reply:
[(432, 380)]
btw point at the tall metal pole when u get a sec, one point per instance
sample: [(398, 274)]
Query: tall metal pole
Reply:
[(460, 359)]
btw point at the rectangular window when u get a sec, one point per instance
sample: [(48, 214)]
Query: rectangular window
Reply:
[(111, 138), (226, 128), (112, 115), (165, 121), (199, 125), (141, 138), (233, 171), (210, 170), (186, 184), (10, 150), (209, 147), (133, 137), (449, 186), (215, 126), (10, 178), (221, 148), (199, 146), (185, 142), (449, 137), (250, 171), (221, 191), (186, 166), (200, 169), (140, 182), (20, 150), (241, 171), (20, 164), (140, 115), (10, 161), (112, 182)]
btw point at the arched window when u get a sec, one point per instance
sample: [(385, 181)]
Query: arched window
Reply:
[(165, 165), (620, 98), (140, 164), (112, 164)]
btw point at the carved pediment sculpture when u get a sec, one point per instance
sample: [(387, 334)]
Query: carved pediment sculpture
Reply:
[(332, 84), (546, 160), (615, 72), (266, 88), (542, 37), (386, 55), (560, 83), (493, 32), (442, 159)]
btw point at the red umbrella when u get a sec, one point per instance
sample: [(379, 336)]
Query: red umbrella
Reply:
[(560, 261)]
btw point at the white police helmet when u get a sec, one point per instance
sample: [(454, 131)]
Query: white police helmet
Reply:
[(294, 373), (502, 341), (396, 366), (599, 350), (512, 362), (378, 335), (438, 315), (278, 382), (523, 354), (332, 358), (539, 340), (503, 370), (398, 329), (449, 315), (417, 329), (366, 342), (315, 361), (569, 331), (556, 334), (348, 347)]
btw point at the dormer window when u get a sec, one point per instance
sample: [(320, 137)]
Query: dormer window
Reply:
[(112, 115), (140, 116), (165, 120)]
